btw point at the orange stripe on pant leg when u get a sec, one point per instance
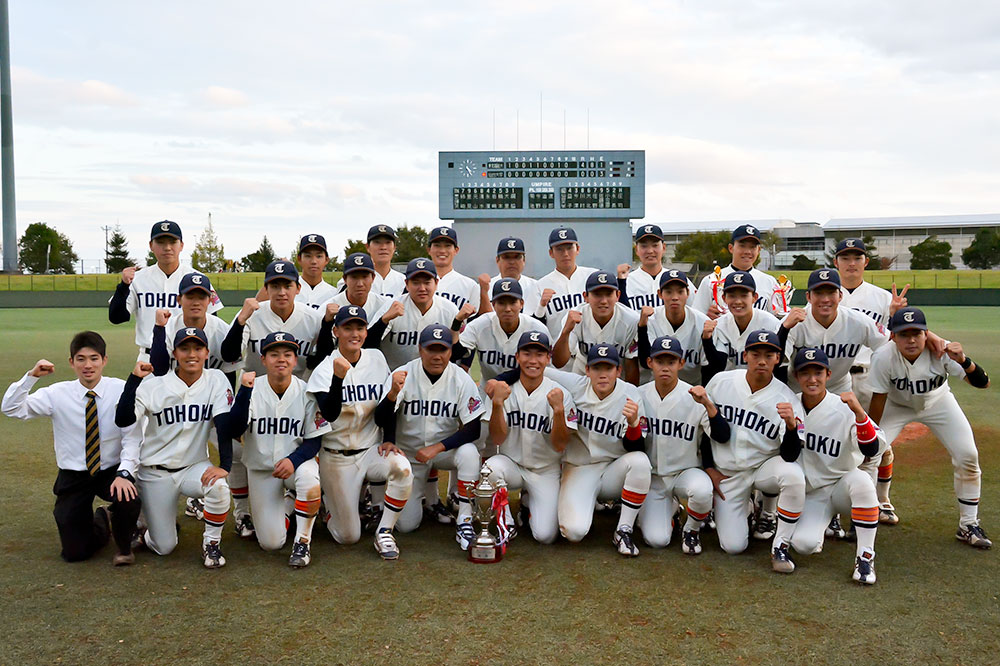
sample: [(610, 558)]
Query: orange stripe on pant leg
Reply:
[(307, 507), (216, 518), (791, 515), (633, 497), (696, 515), (465, 488), (395, 503), (885, 473)]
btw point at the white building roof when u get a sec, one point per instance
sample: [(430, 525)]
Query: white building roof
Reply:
[(917, 222)]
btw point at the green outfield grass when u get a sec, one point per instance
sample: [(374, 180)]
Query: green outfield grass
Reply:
[(936, 599)]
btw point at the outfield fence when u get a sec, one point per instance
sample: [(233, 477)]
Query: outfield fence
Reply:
[(108, 282)]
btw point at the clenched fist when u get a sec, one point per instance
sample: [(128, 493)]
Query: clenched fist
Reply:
[(709, 328), (341, 366), (631, 413), (142, 369), (555, 398), (42, 368), (128, 274), (645, 313), (794, 316), (573, 317), (501, 391), (466, 311), (699, 395), (248, 379), (398, 379), (623, 270), (851, 400), (250, 306), (395, 310), (787, 414), (547, 295), (162, 317), (331, 311)]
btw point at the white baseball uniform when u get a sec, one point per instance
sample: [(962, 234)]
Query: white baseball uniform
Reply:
[(842, 341), (728, 337), (531, 291), (458, 289), (399, 343), (215, 330), (570, 293), (315, 297), (375, 306), (496, 349), (644, 289), (392, 285), (622, 331), (766, 286), (303, 324), (874, 302), (688, 334)]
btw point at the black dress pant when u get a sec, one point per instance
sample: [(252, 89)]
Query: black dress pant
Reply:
[(82, 534)]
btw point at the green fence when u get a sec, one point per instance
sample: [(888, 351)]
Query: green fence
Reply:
[(106, 283)]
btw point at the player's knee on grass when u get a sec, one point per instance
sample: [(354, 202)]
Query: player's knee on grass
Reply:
[(807, 544), (544, 532), (162, 544), (270, 539)]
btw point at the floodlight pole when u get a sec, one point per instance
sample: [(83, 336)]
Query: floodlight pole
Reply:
[(7, 147)]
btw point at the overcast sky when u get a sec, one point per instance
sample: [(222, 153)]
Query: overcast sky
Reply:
[(298, 117)]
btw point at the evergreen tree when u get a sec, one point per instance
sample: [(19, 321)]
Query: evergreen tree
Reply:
[(43, 249), (931, 253), (411, 243), (257, 261), (208, 255), (116, 260), (984, 252), (705, 249)]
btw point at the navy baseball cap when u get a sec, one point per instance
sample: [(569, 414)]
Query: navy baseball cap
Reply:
[(810, 356), (280, 270), (350, 313), (279, 339), (673, 276), (763, 338), (562, 235), (442, 233), (666, 344), (190, 333), (435, 334), (420, 266), (310, 240), (510, 244), (601, 280), (358, 261), (602, 352), (739, 280), (381, 230), (906, 318), (193, 281), (648, 230), (534, 339), (507, 287), (823, 277), (851, 245), (166, 228), (746, 231)]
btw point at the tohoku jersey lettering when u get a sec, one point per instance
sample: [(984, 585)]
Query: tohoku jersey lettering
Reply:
[(496, 349), (458, 289), (529, 425), (843, 341), (673, 426), (917, 385), (399, 344), (278, 426), (621, 331), (644, 289), (427, 413), (361, 391), (152, 289), (870, 301), (830, 442)]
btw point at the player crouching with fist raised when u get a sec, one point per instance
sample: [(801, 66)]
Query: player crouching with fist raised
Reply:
[(837, 435), (180, 409), (281, 428)]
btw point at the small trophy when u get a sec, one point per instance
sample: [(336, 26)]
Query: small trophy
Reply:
[(781, 299), (717, 282), (485, 549)]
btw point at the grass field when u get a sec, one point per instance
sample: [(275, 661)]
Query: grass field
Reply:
[(936, 599)]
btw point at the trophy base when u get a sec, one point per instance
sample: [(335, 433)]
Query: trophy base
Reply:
[(485, 554)]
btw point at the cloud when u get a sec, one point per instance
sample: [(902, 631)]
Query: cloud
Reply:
[(224, 97)]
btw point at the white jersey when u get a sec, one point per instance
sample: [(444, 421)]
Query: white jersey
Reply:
[(688, 334), (315, 297), (458, 289), (570, 293), (179, 418), (529, 425), (843, 340), (730, 339), (303, 324), (830, 442), (756, 428), (427, 413), (531, 291), (872, 301), (278, 426), (362, 389), (673, 426), (392, 286), (215, 329), (152, 289), (496, 349), (600, 423), (374, 307), (644, 289), (916, 385), (399, 343), (622, 331), (766, 286)]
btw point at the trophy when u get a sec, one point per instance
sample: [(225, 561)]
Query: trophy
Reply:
[(781, 299), (488, 504), (717, 282)]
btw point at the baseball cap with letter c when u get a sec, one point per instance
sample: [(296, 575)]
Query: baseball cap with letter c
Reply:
[(435, 334)]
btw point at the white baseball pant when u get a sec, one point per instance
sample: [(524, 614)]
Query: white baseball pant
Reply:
[(852, 494), (267, 502), (160, 489), (692, 486), (464, 461), (626, 478), (773, 476), (543, 487), (342, 478)]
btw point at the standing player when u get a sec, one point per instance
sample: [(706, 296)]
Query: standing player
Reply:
[(89, 448), (674, 317), (359, 276), (564, 287), (442, 246), (531, 423), (510, 262), (745, 248), (381, 248), (910, 384), (764, 416), (179, 410), (601, 319), (837, 436), (314, 291), (142, 292), (281, 429), (678, 416), (729, 332), (641, 288)]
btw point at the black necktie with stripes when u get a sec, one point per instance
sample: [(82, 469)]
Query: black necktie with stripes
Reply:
[(93, 435)]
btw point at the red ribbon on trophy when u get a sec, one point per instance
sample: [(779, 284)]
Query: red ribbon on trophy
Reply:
[(717, 289), (782, 296), (500, 510)]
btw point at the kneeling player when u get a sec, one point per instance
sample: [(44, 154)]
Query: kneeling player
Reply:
[(677, 416), (180, 408), (838, 436), (531, 423), (281, 429)]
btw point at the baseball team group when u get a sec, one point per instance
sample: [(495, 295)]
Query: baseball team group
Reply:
[(680, 407)]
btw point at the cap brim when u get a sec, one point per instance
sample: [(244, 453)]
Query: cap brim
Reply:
[(432, 343), (416, 273), (672, 280), (506, 294), (539, 345), (381, 235), (281, 277), (350, 319), (291, 345), (851, 249), (649, 235), (165, 233), (189, 338), (196, 287), (746, 236), (665, 352), (818, 364), (355, 269), (442, 237), (739, 286), (303, 248), (562, 241), (824, 283), (906, 327), (769, 345)]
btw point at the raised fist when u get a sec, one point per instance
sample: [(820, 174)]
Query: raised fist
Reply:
[(128, 274), (250, 306), (573, 317), (709, 328), (162, 316), (341, 366), (501, 391), (623, 270), (631, 412), (851, 400), (142, 369), (555, 398), (248, 379), (955, 352), (699, 395), (794, 316), (42, 368), (466, 311), (331, 311), (645, 313), (547, 295), (395, 310), (398, 379), (787, 414), (484, 281)]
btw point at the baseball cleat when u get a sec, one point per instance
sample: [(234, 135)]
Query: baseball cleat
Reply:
[(887, 514), (691, 544), (385, 544), (834, 530), (465, 535), (440, 513), (453, 503), (623, 542), (371, 523), (301, 555), (781, 561), (213, 555), (864, 568), (122, 560), (710, 521), (765, 526), (244, 526), (974, 536), (194, 508)]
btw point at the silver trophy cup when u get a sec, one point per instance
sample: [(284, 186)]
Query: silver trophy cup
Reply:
[(485, 550)]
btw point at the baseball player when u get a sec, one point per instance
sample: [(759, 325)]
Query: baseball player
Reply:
[(837, 435), (764, 416), (438, 410), (381, 248), (601, 319), (359, 276), (312, 256), (89, 449), (677, 416), (565, 286), (355, 390), (673, 317), (442, 246), (729, 331), (143, 291), (745, 248), (641, 287), (909, 384), (510, 262), (531, 423), (179, 409), (281, 429)]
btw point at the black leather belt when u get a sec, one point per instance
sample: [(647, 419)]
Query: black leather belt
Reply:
[(345, 452), (164, 468), (858, 369)]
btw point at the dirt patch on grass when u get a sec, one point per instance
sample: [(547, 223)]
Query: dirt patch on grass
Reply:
[(919, 447), (910, 432)]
